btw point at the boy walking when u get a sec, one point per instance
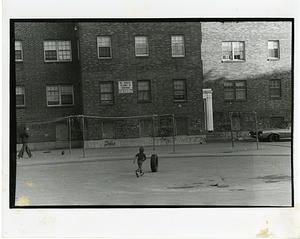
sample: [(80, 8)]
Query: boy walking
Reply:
[(141, 157)]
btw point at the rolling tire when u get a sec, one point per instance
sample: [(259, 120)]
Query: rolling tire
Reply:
[(154, 163), (273, 138)]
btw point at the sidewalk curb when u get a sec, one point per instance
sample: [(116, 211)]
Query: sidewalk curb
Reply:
[(104, 159)]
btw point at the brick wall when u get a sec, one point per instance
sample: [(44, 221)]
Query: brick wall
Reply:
[(159, 67), (34, 74), (257, 70)]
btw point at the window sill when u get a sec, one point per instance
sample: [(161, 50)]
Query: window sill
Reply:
[(142, 56), (179, 101), (233, 61), (60, 106), (20, 106), (106, 104), (178, 56), (273, 59), (104, 58), (57, 61), (18, 61)]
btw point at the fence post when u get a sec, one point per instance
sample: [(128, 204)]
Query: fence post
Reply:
[(153, 129), (83, 136), (230, 116), (173, 119), (256, 130), (70, 135)]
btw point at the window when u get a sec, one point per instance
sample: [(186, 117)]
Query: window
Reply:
[(179, 90), (273, 48), (233, 51), (104, 47), (18, 51), (60, 95), (106, 93), (144, 91), (235, 90), (177, 43), (275, 89), (141, 46), (20, 96), (55, 51)]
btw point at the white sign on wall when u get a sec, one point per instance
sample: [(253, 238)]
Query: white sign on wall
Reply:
[(125, 87)]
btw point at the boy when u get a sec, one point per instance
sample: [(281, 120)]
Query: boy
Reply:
[(141, 157)]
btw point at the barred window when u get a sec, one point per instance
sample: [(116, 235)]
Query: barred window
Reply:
[(233, 51), (57, 51), (60, 95), (180, 92), (18, 51), (177, 43), (235, 90), (275, 89), (106, 93), (273, 49), (104, 47), (141, 46), (20, 96), (144, 91)]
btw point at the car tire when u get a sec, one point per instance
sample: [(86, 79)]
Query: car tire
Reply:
[(154, 163), (273, 138)]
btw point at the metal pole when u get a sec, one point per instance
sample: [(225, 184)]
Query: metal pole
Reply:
[(153, 132), (83, 138), (173, 119), (230, 116), (256, 130), (70, 135)]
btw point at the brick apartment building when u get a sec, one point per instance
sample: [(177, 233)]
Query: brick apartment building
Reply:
[(47, 74), (145, 68), (248, 66), (65, 69)]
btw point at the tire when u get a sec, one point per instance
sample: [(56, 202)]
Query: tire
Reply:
[(273, 138), (154, 163)]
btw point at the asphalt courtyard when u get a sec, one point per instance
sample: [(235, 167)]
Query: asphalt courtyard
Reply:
[(214, 175)]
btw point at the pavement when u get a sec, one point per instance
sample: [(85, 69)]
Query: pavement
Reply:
[(210, 149)]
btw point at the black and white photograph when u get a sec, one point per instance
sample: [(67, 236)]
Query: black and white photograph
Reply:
[(152, 112), (150, 119)]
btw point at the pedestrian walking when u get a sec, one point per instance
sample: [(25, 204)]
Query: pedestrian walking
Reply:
[(140, 157), (24, 139)]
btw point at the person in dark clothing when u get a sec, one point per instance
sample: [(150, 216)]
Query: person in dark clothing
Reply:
[(141, 157), (24, 139)]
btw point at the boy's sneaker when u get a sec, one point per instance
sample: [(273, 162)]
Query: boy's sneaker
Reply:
[(137, 173)]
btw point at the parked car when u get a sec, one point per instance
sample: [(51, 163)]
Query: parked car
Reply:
[(272, 135)]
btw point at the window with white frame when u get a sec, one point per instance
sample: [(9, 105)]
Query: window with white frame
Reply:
[(180, 91), (106, 92), (104, 46), (275, 89), (60, 95), (233, 51), (177, 44), (141, 46), (20, 96), (144, 91), (55, 51), (18, 51), (273, 49), (235, 90)]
